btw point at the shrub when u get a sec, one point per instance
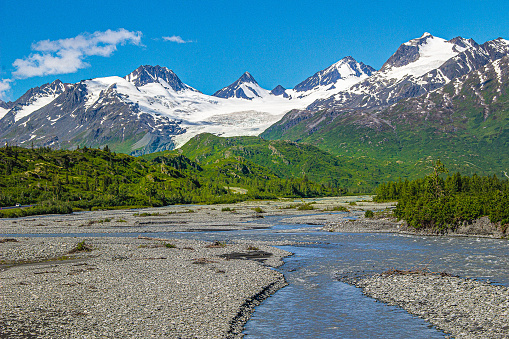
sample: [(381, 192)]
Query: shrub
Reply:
[(369, 214), (338, 208), (305, 207)]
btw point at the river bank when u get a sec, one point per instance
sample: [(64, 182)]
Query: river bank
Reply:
[(136, 286), (461, 307), (132, 287), (141, 286), (481, 227)]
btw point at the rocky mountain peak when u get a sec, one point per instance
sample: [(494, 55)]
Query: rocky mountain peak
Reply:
[(461, 44), (148, 74), (427, 52), (245, 87), (247, 77), (279, 90), (345, 68)]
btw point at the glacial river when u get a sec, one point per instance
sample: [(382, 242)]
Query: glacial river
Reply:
[(316, 305)]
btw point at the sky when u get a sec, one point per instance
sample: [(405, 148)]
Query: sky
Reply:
[(210, 44)]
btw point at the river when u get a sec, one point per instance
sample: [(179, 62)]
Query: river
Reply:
[(316, 304)]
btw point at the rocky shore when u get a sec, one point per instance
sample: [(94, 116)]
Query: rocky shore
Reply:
[(478, 228), (461, 307), (132, 287), (143, 286)]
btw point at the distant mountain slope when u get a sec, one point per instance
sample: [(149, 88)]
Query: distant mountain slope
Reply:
[(418, 67), (149, 110), (465, 123), (296, 160)]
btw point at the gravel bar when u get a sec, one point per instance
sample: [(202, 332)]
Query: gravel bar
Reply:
[(132, 287), (464, 308)]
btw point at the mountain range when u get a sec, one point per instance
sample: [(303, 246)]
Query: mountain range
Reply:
[(432, 97)]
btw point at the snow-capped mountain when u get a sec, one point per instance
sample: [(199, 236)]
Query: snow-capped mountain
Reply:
[(31, 101), (419, 66), (151, 109), (245, 87), (339, 75), (147, 74)]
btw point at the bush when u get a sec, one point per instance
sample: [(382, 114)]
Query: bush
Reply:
[(369, 214), (305, 207), (338, 208), (258, 210)]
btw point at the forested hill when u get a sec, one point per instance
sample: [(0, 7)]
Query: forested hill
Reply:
[(87, 178), (297, 160), (440, 203)]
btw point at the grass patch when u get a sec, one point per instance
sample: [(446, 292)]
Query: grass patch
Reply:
[(305, 207), (352, 203), (338, 209), (227, 209), (167, 245), (258, 210), (81, 247), (252, 248), (146, 214)]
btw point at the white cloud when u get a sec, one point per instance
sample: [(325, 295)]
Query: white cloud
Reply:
[(4, 87), (68, 55), (175, 38)]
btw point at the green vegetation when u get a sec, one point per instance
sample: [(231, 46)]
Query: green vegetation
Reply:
[(58, 181), (338, 208), (284, 159), (227, 209), (464, 124), (81, 247), (305, 207), (167, 245), (440, 203), (258, 210), (146, 214), (369, 214)]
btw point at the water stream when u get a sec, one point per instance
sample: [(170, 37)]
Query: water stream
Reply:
[(317, 305)]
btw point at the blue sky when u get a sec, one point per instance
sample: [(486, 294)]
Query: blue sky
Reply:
[(278, 42)]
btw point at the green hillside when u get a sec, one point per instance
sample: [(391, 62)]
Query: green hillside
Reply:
[(93, 178), (292, 160), (465, 124)]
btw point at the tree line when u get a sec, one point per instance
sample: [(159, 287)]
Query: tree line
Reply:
[(442, 201)]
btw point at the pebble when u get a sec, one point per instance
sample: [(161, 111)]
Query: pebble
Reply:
[(464, 308)]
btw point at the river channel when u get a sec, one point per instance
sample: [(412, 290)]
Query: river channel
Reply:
[(316, 304)]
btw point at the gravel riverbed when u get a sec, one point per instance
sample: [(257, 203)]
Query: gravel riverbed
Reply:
[(132, 288), (464, 308), (128, 287)]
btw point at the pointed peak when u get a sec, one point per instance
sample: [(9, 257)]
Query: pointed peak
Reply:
[(245, 87), (147, 74), (419, 41), (279, 90), (247, 77), (346, 68)]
